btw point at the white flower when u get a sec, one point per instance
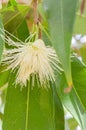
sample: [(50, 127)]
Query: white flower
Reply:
[(32, 59)]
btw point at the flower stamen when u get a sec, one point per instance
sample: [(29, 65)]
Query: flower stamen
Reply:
[(31, 59)]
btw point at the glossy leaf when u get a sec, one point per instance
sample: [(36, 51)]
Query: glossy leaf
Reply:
[(74, 100), (79, 79), (61, 15), (32, 108), (22, 32), (37, 109), (72, 103), (12, 19), (14, 110), (4, 76)]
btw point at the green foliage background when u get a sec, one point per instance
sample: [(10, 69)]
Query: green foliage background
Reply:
[(39, 108)]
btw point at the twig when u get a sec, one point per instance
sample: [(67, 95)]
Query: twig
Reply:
[(37, 17), (36, 21), (82, 7)]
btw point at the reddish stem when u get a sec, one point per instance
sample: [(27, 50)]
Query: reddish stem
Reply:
[(35, 11), (37, 18), (82, 6)]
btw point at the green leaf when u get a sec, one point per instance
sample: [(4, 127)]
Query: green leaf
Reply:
[(4, 78), (12, 2), (58, 112), (12, 19), (15, 110), (61, 15), (1, 40), (22, 32), (33, 108), (80, 23), (74, 100), (76, 109), (79, 79), (71, 102), (83, 53)]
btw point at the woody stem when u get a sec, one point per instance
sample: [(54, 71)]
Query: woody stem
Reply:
[(35, 12), (37, 18)]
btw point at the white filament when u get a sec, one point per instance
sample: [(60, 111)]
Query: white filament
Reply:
[(29, 59)]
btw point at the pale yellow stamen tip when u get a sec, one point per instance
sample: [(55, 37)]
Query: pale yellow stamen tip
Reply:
[(32, 59)]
